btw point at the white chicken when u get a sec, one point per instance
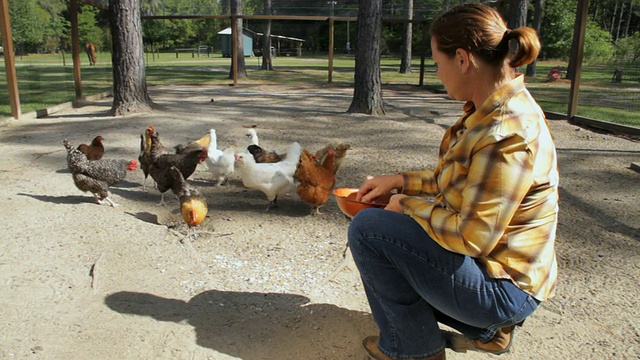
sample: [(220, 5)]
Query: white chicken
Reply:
[(220, 163), (272, 179), (252, 134)]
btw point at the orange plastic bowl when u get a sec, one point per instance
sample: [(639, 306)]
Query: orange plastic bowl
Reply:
[(346, 199)]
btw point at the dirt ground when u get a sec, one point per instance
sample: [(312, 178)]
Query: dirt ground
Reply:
[(85, 281)]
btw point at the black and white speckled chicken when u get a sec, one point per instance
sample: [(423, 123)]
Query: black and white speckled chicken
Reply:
[(98, 175)]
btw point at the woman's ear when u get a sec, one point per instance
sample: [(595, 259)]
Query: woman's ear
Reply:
[(462, 59)]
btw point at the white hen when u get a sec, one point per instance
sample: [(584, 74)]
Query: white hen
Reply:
[(252, 134), (272, 179), (220, 163)]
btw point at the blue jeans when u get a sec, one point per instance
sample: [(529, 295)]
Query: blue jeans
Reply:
[(412, 284)]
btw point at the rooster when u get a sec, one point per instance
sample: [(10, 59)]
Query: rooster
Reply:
[(340, 151), (145, 157), (185, 162), (193, 206), (315, 181), (98, 175), (220, 163), (272, 179), (93, 151)]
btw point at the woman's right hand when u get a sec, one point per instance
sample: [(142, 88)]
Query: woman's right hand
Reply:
[(376, 186)]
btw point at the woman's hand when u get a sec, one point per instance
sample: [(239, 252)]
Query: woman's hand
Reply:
[(375, 186), (394, 203)]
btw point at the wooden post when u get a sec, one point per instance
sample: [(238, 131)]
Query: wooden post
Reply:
[(234, 51), (9, 59), (425, 36), (577, 52), (331, 46), (75, 48)]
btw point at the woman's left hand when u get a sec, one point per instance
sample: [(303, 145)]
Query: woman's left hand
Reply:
[(394, 203)]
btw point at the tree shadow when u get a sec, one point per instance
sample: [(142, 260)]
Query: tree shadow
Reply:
[(252, 325)]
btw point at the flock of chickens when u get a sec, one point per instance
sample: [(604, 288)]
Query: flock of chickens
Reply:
[(312, 174)]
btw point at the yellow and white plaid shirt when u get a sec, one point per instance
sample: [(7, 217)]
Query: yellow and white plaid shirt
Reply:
[(495, 189)]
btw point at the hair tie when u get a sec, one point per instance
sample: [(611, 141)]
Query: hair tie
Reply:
[(506, 33)]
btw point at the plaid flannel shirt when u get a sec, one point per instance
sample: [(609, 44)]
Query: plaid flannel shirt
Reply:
[(495, 189)]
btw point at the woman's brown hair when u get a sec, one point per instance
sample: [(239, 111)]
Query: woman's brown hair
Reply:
[(480, 30)]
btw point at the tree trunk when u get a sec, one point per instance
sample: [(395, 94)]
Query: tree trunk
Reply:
[(518, 13), (127, 56), (367, 94), (266, 42), (407, 39), (236, 9), (619, 22), (630, 13), (537, 23)]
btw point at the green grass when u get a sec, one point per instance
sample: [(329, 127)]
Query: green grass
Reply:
[(45, 80)]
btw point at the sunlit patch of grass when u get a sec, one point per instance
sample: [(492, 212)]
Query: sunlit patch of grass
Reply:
[(47, 79)]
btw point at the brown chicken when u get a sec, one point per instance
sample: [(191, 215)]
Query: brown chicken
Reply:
[(339, 150), (263, 156), (203, 142), (193, 206), (93, 151), (185, 162), (315, 181), (96, 176)]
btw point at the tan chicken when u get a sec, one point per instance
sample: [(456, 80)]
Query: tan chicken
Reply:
[(315, 181), (339, 150), (193, 206)]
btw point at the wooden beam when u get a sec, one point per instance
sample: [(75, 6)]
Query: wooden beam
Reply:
[(9, 59), (75, 47), (331, 46), (577, 52)]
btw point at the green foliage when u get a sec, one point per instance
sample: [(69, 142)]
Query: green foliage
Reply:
[(628, 49), (557, 29), (597, 44), (88, 28), (26, 24)]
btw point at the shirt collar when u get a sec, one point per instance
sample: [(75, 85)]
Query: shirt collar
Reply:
[(501, 95)]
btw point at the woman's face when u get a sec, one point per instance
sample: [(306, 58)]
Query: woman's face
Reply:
[(447, 71)]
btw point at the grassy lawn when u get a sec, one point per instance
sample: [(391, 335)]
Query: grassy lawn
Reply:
[(46, 80)]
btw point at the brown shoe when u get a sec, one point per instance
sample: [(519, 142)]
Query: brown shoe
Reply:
[(499, 344), (370, 344)]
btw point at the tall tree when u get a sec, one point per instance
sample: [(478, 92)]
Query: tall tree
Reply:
[(266, 39), (518, 13), (129, 78), (367, 94), (538, 6), (407, 39), (236, 9)]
